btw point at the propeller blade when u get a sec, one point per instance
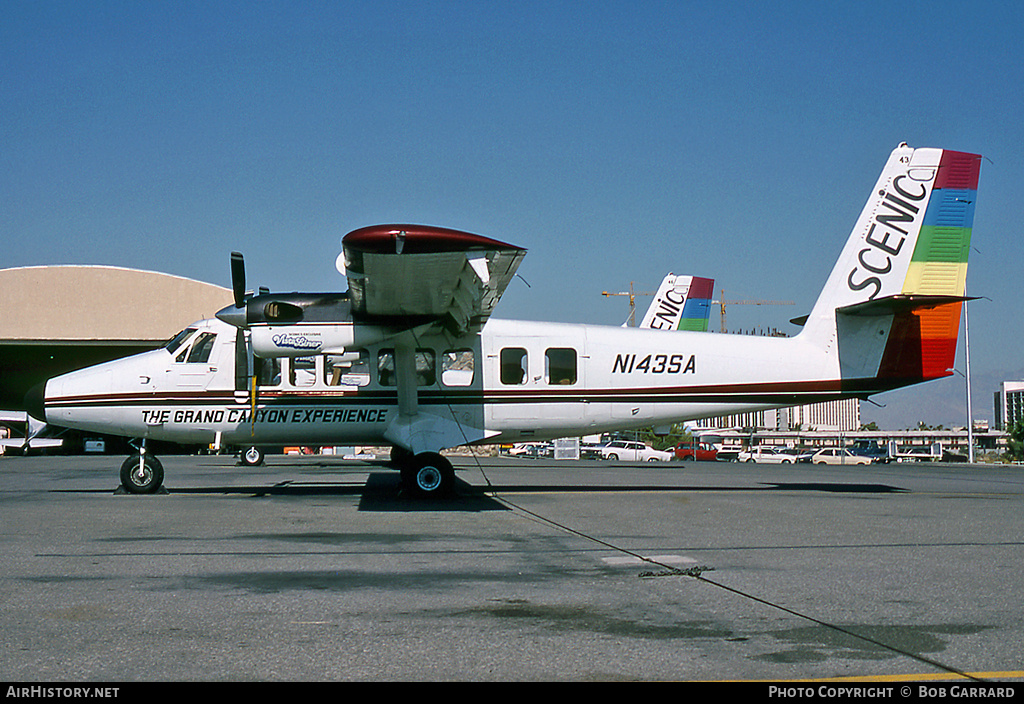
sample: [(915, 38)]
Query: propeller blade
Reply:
[(238, 278)]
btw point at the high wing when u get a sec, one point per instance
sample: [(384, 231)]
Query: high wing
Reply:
[(400, 277), (403, 273)]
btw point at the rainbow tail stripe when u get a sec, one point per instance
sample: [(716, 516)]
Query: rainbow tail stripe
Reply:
[(681, 303), (939, 263), (923, 341), (697, 308)]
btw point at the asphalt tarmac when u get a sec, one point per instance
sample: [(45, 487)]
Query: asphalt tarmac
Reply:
[(319, 569)]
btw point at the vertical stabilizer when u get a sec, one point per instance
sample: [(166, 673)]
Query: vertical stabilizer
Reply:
[(681, 303), (891, 307)]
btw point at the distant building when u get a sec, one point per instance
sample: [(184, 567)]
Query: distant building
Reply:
[(1009, 404), (837, 416), (833, 415)]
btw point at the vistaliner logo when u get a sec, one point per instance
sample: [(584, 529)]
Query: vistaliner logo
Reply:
[(296, 341)]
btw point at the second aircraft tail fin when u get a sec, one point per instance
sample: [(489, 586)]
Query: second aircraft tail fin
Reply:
[(681, 303)]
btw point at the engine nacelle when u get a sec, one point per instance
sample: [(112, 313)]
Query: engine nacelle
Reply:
[(301, 340)]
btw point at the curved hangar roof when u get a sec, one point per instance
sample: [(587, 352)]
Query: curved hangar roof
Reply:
[(101, 303)]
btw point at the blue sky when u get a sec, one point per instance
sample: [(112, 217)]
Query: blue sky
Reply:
[(616, 141)]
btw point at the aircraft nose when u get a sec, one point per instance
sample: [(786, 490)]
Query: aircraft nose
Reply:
[(233, 315), (35, 401)]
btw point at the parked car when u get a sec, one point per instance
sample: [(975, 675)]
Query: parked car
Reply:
[(531, 449), (837, 455), (633, 451), (766, 455), (728, 454), (919, 453), (799, 454), (702, 452), (872, 450)]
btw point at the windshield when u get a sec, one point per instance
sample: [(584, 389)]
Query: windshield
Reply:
[(178, 340)]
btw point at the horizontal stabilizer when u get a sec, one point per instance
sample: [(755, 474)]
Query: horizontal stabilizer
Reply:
[(900, 303)]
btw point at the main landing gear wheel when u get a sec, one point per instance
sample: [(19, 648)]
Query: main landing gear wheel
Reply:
[(428, 474), (142, 477), (252, 457)]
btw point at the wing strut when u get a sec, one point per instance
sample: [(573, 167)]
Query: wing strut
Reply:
[(405, 376)]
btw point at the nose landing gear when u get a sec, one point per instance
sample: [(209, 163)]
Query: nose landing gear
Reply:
[(142, 474)]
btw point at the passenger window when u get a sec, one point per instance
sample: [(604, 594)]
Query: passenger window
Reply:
[(200, 353), (268, 371), (302, 371), (560, 365), (457, 368), (513, 365), (426, 368), (349, 369)]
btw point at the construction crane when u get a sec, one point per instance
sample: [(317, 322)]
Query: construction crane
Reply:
[(757, 302), (721, 303), (632, 300)]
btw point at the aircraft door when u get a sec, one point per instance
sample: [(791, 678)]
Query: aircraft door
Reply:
[(193, 367)]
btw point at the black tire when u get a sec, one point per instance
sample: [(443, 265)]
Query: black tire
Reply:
[(429, 475), (400, 456), (252, 457), (148, 481)]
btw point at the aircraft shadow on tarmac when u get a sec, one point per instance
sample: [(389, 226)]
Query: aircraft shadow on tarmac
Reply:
[(383, 492), (836, 488)]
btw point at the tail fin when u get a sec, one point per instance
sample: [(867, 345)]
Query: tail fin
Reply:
[(681, 303), (891, 307)]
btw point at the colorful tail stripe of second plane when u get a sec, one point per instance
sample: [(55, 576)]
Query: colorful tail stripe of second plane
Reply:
[(697, 308)]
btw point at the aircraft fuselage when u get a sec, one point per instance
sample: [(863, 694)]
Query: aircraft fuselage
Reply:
[(515, 380)]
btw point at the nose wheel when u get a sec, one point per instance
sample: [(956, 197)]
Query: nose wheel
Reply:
[(142, 474), (252, 457)]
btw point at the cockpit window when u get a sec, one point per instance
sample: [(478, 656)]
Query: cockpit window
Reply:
[(201, 349), (178, 340)]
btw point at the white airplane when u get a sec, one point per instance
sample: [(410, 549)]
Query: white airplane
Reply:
[(411, 357)]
